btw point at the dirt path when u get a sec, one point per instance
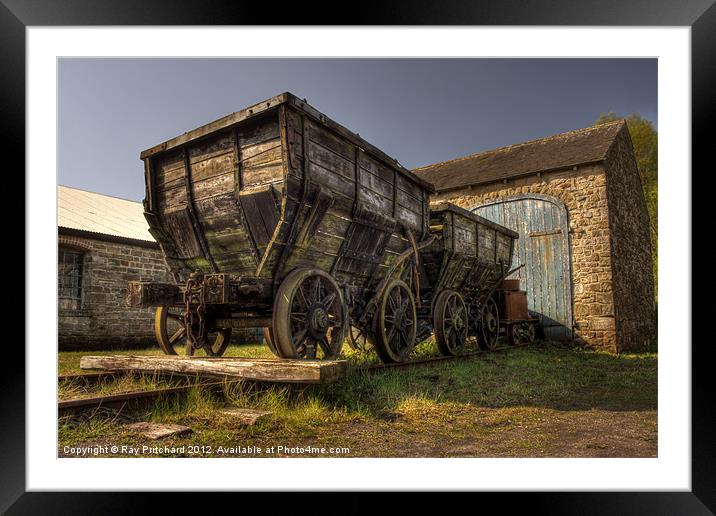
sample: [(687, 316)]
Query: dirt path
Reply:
[(451, 431)]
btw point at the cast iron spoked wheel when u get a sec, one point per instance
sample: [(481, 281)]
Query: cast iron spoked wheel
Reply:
[(450, 323), (490, 324), (310, 319), (394, 323), (271, 341), (171, 334), (522, 333), (169, 330), (358, 340)]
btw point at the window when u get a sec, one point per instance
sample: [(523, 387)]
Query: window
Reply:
[(69, 279)]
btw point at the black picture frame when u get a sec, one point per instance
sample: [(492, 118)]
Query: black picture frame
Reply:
[(700, 15)]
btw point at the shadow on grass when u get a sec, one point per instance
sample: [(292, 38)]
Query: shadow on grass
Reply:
[(548, 375)]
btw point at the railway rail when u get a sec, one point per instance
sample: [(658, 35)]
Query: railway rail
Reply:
[(124, 400), (86, 378), (134, 399)]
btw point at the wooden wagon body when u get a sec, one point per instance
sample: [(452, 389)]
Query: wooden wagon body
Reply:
[(472, 256), (238, 204), (470, 259)]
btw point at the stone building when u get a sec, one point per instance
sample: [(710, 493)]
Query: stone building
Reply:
[(103, 243), (577, 202)]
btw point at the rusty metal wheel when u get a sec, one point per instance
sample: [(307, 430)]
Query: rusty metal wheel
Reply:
[(450, 322), (170, 332), (358, 340), (310, 319), (271, 341), (395, 323), (489, 324)]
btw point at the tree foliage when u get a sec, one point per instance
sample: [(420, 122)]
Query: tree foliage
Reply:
[(644, 138)]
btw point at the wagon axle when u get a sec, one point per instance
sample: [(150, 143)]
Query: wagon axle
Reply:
[(318, 322)]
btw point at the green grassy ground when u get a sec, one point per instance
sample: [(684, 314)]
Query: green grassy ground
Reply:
[(544, 400)]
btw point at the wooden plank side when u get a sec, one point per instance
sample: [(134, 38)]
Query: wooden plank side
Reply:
[(503, 248), (180, 228), (465, 235), (335, 223), (260, 176), (486, 243), (375, 201), (215, 186), (214, 166), (212, 146), (336, 183), (411, 219), (230, 240), (167, 165), (312, 258), (378, 169), (268, 370), (406, 187), (330, 160), (409, 202), (261, 130), (261, 153), (375, 183), (171, 199), (219, 206), (169, 176), (328, 140), (228, 222), (254, 221), (242, 262)]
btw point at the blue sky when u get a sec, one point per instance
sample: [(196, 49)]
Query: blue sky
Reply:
[(419, 111)]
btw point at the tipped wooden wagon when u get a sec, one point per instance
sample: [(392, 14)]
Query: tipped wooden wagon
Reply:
[(278, 217), (462, 271)]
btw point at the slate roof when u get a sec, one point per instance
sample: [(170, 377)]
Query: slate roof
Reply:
[(564, 150), (101, 214)]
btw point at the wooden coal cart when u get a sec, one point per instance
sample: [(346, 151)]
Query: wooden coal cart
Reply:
[(278, 217)]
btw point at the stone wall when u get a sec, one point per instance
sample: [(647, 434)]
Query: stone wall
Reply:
[(103, 321), (633, 281), (583, 190)]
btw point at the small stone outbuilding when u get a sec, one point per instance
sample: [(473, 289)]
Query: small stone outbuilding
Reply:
[(103, 242), (577, 202)]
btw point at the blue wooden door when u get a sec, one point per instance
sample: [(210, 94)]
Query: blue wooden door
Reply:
[(543, 247)]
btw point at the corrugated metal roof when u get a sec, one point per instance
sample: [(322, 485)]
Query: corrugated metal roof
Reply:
[(97, 213), (562, 150)]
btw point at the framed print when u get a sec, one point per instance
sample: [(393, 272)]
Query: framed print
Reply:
[(418, 258)]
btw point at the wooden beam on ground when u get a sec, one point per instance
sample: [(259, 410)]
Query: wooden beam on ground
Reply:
[(232, 368)]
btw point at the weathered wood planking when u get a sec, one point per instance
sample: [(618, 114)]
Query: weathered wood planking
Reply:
[(472, 253), (256, 369), (214, 163), (253, 189)]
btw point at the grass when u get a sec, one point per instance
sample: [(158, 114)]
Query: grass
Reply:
[(482, 397)]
